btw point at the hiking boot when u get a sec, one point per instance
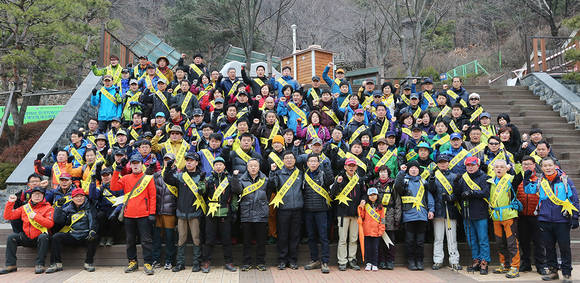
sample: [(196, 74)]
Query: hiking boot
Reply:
[(261, 267), (89, 267), (312, 265), (246, 267), (293, 266), (567, 279), (324, 268), (132, 266), (109, 242), (543, 271), (38, 269), (382, 265), (390, 265), (512, 273), (168, 266), (437, 266), (483, 267), (178, 267), (352, 264), (148, 268), (102, 242), (420, 265), (195, 267), (501, 269), (156, 264), (282, 266), (8, 269), (54, 268), (342, 267), (553, 275), (411, 265), (474, 266), (205, 267), (230, 267), (456, 267), (369, 267)]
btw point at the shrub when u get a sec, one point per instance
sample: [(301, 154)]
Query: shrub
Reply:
[(5, 171)]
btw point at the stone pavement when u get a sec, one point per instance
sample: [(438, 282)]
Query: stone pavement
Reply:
[(400, 274)]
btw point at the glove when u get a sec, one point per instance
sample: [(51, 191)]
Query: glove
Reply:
[(40, 156), (447, 197), (92, 235), (124, 162), (94, 91), (574, 223), (70, 159), (202, 176), (60, 201), (98, 170), (467, 194), (134, 103), (527, 174), (170, 163), (565, 213), (151, 169), (151, 218)]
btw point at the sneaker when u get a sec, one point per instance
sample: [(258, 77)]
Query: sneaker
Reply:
[(132, 266), (552, 276), (456, 267), (195, 268), (567, 279), (474, 266), (38, 269), (282, 266), (342, 267), (246, 267), (178, 267), (501, 269), (148, 268), (312, 265), (352, 264), (411, 265), (483, 267), (390, 265), (102, 242), (293, 266), (437, 266), (382, 265), (324, 268), (8, 269), (156, 264), (261, 267), (369, 267), (543, 271), (513, 273), (54, 268), (109, 242), (205, 267), (168, 266), (230, 267), (375, 268), (89, 267), (420, 265), (525, 268)]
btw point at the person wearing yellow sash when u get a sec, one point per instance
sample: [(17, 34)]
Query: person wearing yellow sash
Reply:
[(209, 154), (105, 200), (175, 144), (236, 159), (427, 94), (222, 205), (425, 122), (409, 139), (267, 130), (328, 112), (372, 215), (403, 99), (194, 70), (474, 109), (458, 122), (388, 97), (314, 93), (487, 130), (157, 100), (364, 165), (113, 69), (338, 78), (315, 147), (440, 184), (458, 154), (557, 215), (255, 83), (230, 84), (92, 130), (251, 186), (382, 122), (442, 109), (163, 67), (177, 118), (287, 182), (76, 149), (473, 188), (139, 70), (273, 156), (184, 98), (531, 141), (365, 93), (347, 192), (459, 90), (37, 219), (137, 128), (510, 143), (149, 79), (474, 144), (414, 107), (391, 201), (440, 142), (424, 159), (190, 208), (180, 75), (63, 164), (354, 128), (314, 128), (109, 101), (418, 208), (295, 109), (138, 210), (79, 221), (60, 195), (228, 121), (386, 154), (494, 152), (285, 80), (504, 215), (316, 194)]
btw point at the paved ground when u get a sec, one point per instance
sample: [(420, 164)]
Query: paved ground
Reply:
[(400, 274)]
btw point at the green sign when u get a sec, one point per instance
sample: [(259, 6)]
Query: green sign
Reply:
[(36, 113)]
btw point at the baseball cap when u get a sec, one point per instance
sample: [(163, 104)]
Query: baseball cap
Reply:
[(192, 155), (125, 70), (176, 129), (414, 96), (371, 81), (350, 161), (456, 136), (382, 140), (76, 192), (143, 57), (377, 93), (471, 160), (160, 114), (119, 151), (169, 155), (116, 119), (107, 77), (372, 191), (485, 114), (37, 189), (427, 81), (65, 175), (133, 81), (340, 70), (406, 87), (316, 78), (107, 171), (162, 80), (121, 132), (136, 158), (416, 127), (197, 112), (359, 111), (101, 137), (443, 157), (219, 159), (219, 100), (316, 141), (390, 134)]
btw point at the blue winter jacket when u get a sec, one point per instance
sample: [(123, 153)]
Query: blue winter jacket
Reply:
[(407, 185), (548, 211), (334, 88), (278, 86), (285, 110), (107, 108)]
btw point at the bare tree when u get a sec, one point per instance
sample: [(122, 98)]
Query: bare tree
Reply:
[(278, 10), (552, 11)]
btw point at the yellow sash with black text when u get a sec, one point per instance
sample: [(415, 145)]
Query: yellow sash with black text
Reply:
[(565, 204), (458, 158), (109, 96), (383, 132), (417, 200), (454, 95), (253, 187), (276, 159), (299, 112), (317, 188), (213, 202), (210, 158), (73, 219), (28, 210), (386, 157), (284, 189), (342, 197), (180, 155), (199, 202), (359, 162), (142, 186)]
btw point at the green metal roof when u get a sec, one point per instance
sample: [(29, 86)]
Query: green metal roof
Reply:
[(153, 47), (362, 72), (237, 54)]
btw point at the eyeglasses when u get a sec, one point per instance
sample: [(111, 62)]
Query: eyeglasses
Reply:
[(474, 98)]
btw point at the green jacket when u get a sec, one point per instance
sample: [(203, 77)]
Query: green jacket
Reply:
[(500, 199)]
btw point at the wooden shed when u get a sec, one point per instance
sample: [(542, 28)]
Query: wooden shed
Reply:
[(307, 63)]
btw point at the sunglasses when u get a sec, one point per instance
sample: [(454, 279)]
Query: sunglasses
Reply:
[(494, 143), (474, 98)]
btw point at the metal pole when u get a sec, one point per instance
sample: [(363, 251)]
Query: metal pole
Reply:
[(293, 38), (7, 110)]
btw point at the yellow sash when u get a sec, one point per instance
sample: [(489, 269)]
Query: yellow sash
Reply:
[(458, 158), (162, 97), (386, 198), (74, 219), (56, 171), (417, 200), (373, 213), (259, 82), (565, 204), (196, 69), (440, 141), (344, 103), (133, 98), (273, 133), (281, 81), (149, 83), (312, 132), (454, 95), (386, 157), (199, 202), (180, 155), (284, 189), (144, 183), (410, 155), (111, 138), (342, 197), (407, 131), (417, 112), (337, 82), (76, 155), (314, 94), (134, 134), (276, 159), (208, 156), (454, 127), (231, 130), (234, 88), (242, 154), (474, 151), (384, 130), (317, 188), (115, 73), (186, 100), (172, 189), (501, 186), (109, 96), (470, 183), (357, 132), (359, 162), (441, 178), (214, 204), (299, 112), (136, 73), (253, 187), (405, 99), (476, 114), (28, 209), (443, 112), (108, 195), (371, 153), (331, 114), (429, 98), (160, 74)]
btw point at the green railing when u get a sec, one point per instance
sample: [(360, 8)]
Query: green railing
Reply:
[(472, 67)]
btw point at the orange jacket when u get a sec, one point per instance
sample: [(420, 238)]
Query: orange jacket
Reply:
[(64, 167), (371, 227), (142, 205), (44, 216)]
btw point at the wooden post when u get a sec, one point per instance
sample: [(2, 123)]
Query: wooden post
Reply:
[(543, 49), (107, 48), (536, 63)]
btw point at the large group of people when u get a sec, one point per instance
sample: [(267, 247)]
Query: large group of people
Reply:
[(183, 150)]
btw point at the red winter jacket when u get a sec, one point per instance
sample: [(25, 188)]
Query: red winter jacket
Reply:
[(142, 205), (529, 201), (371, 227), (44, 216)]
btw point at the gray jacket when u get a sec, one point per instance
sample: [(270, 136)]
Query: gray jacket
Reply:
[(254, 206), (293, 198)]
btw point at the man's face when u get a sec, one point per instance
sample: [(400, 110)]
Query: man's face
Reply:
[(173, 114), (356, 149), (441, 100), (286, 72), (536, 137), (107, 82), (162, 63), (475, 136), (416, 134), (270, 118), (215, 75), (473, 101), (90, 157), (161, 86), (316, 84), (116, 124), (269, 102), (197, 60), (214, 143), (175, 136), (253, 166), (369, 87), (340, 75), (74, 138), (136, 167), (144, 149), (413, 171), (296, 97), (548, 167), (121, 139), (106, 178), (500, 168), (316, 148), (159, 120), (150, 71), (260, 72), (242, 128), (190, 164), (134, 87), (350, 169), (289, 161), (456, 112), (206, 132), (443, 165), (440, 128), (414, 101), (485, 121), (184, 86), (65, 183), (231, 112), (37, 197), (137, 120), (93, 125), (344, 89), (277, 146), (428, 87), (114, 62), (142, 61), (246, 143), (78, 199), (288, 137), (34, 182), (232, 74), (471, 168), (391, 140), (313, 163), (381, 112), (542, 150), (61, 156), (528, 165), (242, 98), (359, 117), (219, 167), (456, 143), (197, 119), (326, 97), (423, 153), (456, 83)]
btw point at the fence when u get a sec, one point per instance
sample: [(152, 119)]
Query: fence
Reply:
[(548, 54), (472, 67)]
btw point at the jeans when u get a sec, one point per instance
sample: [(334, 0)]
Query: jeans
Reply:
[(505, 234), (142, 226), (67, 239), (372, 250), (476, 233), (254, 231), (529, 232), (288, 235), (442, 231), (347, 230), (317, 228), (215, 226), (553, 233), (169, 244), (20, 239)]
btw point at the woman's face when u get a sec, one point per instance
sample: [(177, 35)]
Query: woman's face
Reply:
[(502, 122), (408, 121), (414, 171), (426, 119), (265, 90), (205, 80), (386, 90), (315, 119), (504, 136)]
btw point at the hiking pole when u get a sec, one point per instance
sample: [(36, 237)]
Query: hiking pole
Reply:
[(468, 225), (447, 217)]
